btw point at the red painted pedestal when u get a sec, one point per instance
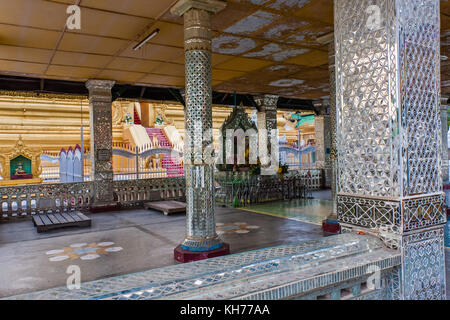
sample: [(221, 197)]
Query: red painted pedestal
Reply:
[(330, 228), (182, 255)]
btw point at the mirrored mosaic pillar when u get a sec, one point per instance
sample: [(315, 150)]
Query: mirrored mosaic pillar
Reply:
[(389, 133), (323, 143), (444, 126), (101, 143), (319, 125), (201, 239), (327, 149), (267, 133), (333, 151)]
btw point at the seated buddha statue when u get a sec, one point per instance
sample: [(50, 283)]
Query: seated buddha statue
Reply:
[(20, 173), (19, 170)]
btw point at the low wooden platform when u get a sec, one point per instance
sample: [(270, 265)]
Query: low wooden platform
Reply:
[(46, 222), (167, 207)]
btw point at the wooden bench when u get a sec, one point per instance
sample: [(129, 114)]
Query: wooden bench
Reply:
[(46, 222), (167, 207)]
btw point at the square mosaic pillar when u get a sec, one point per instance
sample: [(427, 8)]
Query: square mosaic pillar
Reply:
[(444, 126), (319, 125), (327, 149), (333, 151), (267, 133), (201, 239), (388, 133), (100, 103), (322, 123)]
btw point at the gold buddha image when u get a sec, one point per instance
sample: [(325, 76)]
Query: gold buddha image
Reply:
[(19, 170)]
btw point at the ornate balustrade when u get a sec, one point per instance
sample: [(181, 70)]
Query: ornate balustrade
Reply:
[(24, 201), (240, 189), (21, 202), (135, 192)]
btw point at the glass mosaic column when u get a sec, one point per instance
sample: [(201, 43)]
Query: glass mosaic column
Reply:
[(323, 143), (319, 125), (101, 143), (333, 151), (444, 126), (389, 133), (201, 239), (267, 138)]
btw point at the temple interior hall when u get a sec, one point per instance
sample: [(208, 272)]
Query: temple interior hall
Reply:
[(224, 150)]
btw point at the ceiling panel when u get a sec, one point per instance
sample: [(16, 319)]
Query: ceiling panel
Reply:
[(282, 28), (109, 24), (34, 13), (69, 72), (28, 37), (160, 80), (232, 14), (445, 7), (307, 35), (170, 69), (121, 76), (243, 64), (91, 44), (313, 58), (312, 74), (445, 24), (80, 59), (154, 52), (25, 54), (321, 10), (276, 52), (151, 9), (219, 58), (170, 34), (129, 64), (225, 74), (22, 67), (234, 45), (259, 46)]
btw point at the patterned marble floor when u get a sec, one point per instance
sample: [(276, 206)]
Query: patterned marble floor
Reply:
[(306, 210), (125, 242), (122, 243)]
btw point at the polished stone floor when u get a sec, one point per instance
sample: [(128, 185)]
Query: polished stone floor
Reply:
[(135, 240), (125, 242), (306, 210)]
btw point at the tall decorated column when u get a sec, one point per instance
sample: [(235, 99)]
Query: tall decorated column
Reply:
[(323, 143), (444, 127), (101, 143), (330, 123), (267, 133), (389, 133), (201, 240)]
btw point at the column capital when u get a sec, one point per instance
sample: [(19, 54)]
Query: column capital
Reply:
[(212, 6), (97, 84), (266, 101)]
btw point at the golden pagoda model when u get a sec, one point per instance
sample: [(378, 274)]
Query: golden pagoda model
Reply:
[(20, 165)]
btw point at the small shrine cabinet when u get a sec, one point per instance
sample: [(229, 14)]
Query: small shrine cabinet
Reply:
[(20, 164)]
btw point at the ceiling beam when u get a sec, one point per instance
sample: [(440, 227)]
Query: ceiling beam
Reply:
[(132, 92)]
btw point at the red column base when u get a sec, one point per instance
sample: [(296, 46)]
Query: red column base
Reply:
[(182, 255), (330, 228)]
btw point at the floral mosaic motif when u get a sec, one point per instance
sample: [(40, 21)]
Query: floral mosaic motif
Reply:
[(83, 251), (234, 227)]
